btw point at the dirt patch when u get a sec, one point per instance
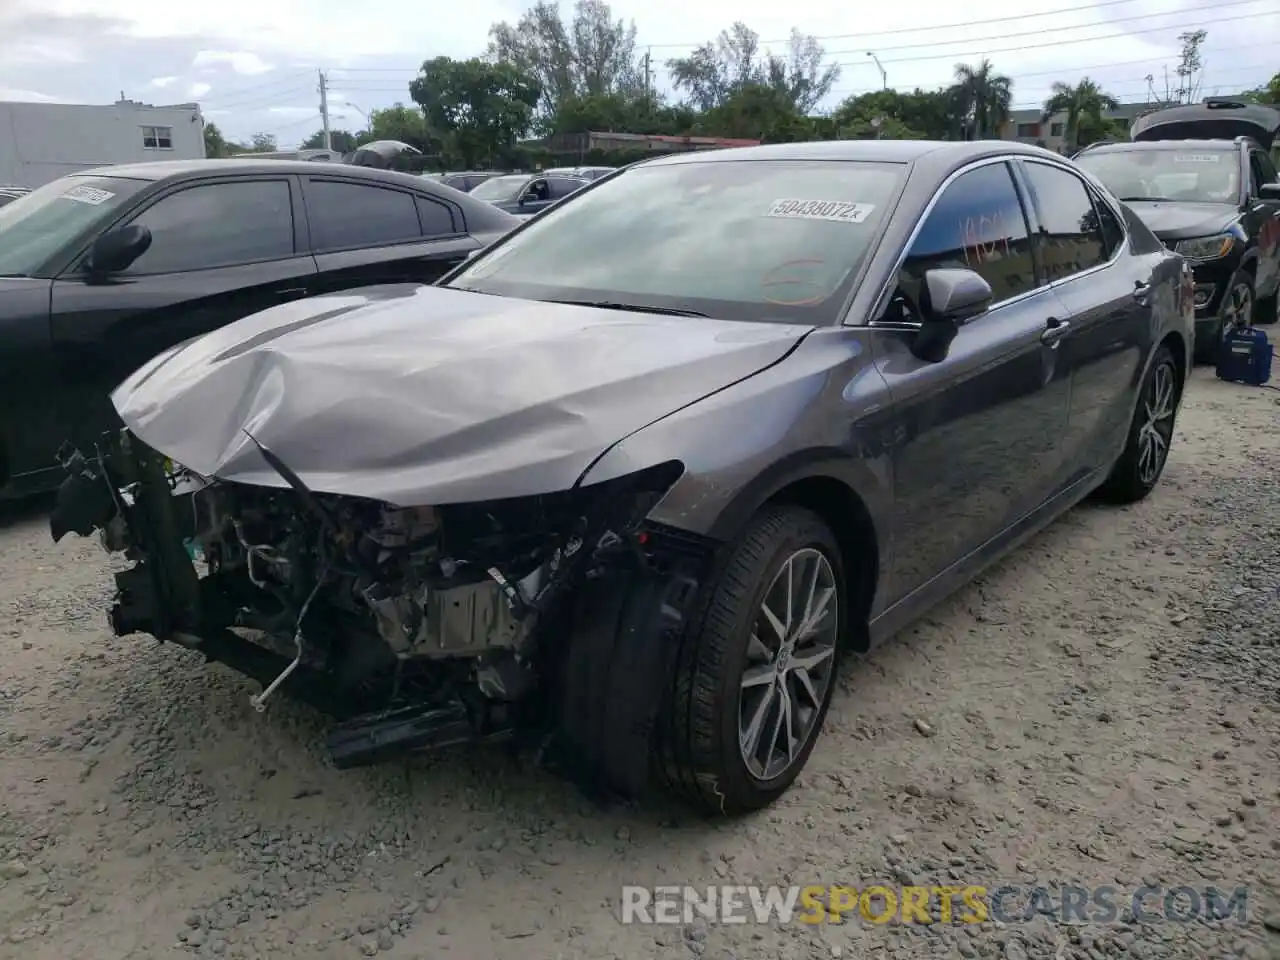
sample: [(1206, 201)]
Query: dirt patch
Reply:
[(1102, 708)]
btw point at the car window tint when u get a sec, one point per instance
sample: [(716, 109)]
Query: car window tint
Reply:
[(1071, 237), (217, 225), (560, 187), (1265, 167), (436, 218), (347, 215), (1112, 232), (977, 223)]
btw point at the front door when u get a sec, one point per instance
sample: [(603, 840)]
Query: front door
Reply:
[(978, 443), (364, 234), (219, 251), (1107, 300)]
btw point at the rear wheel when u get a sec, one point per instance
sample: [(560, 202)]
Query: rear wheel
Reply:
[(757, 671), (1145, 453)]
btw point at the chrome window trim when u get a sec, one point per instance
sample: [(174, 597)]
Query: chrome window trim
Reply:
[(1096, 193), (891, 282)]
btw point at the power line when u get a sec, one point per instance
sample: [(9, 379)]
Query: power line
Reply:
[(263, 97), (1054, 43)]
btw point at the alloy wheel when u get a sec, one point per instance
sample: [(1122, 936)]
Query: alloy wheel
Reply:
[(790, 664), (1239, 309), (1156, 432)]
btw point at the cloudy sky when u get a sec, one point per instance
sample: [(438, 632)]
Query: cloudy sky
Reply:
[(252, 64)]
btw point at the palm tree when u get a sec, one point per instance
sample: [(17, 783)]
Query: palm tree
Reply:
[(1085, 105), (984, 95)]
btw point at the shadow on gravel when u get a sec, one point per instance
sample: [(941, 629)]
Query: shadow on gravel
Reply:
[(33, 509)]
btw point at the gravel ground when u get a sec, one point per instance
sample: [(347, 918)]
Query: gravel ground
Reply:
[(1101, 708)]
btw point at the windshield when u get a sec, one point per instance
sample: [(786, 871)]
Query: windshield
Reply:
[(749, 240), (500, 189), (35, 227), (1195, 175)]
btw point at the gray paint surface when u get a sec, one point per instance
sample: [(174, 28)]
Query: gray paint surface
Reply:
[(424, 395)]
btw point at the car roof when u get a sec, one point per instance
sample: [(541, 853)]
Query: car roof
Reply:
[(155, 170), (865, 151)]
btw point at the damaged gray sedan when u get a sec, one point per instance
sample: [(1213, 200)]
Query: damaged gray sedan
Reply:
[(627, 484)]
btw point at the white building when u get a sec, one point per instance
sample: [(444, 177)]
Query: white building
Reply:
[(40, 142)]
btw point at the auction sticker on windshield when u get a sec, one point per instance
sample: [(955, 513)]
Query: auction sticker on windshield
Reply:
[(1197, 158), (841, 211), (90, 195)]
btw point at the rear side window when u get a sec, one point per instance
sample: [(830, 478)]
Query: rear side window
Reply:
[(345, 216), (437, 219), (1261, 169), (977, 223), (1071, 236), (217, 225), (560, 187)]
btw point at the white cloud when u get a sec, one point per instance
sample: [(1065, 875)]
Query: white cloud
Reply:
[(198, 90), (292, 111), (14, 95), (163, 82), (243, 62)]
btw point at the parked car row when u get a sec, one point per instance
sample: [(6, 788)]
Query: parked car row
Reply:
[(635, 472)]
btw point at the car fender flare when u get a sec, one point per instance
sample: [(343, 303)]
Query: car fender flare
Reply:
[(814, 462)]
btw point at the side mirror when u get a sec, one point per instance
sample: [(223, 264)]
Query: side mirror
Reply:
[(116, 250), (952, 297), (1269, 191)]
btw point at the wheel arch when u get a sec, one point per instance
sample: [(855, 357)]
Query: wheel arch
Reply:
[(840, 491)]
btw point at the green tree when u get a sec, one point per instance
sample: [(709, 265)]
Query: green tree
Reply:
[(920, 114), (1085, 107), (1269, 93), (401, 122), (215, 145), (263, 143), (1189, 65), (757, 111), (982, 97), (342, 141), (593, 56), (715, 71), (480, 108)]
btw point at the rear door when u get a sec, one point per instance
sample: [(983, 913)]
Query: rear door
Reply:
[(1106, 304), (1266, 216), (220, 250), (364, 233), (980, 432)]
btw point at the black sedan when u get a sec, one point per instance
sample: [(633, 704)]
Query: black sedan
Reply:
[(1201, 177), (644, 468), (101, 271)]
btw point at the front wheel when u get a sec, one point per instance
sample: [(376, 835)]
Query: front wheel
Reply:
[(756, 673), (1150, 434)]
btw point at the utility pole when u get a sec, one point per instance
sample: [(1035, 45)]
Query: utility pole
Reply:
[(324, 108), (648, 59)]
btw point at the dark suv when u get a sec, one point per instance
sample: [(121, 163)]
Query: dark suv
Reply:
[(1201, 178)]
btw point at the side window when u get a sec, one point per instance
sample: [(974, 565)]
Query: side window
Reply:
[(1112, 232), (1071, 238), (538, 190), (217, 225), (1267, 168), (436, 218), (348, 215), (977, 223), (560, 187)]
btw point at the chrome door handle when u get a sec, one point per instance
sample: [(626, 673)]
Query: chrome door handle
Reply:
[(1141, 291), (292, 293), (1055, 331)]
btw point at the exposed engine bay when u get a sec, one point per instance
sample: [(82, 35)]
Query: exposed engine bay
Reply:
[(415, 627)]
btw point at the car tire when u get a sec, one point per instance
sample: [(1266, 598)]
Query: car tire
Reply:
[(713, 696), (1136, 474)]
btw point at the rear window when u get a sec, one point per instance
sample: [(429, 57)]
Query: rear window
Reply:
[(757, 240), (1181, 174)]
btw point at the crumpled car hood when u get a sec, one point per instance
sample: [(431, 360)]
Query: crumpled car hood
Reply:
[(425, 395)]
